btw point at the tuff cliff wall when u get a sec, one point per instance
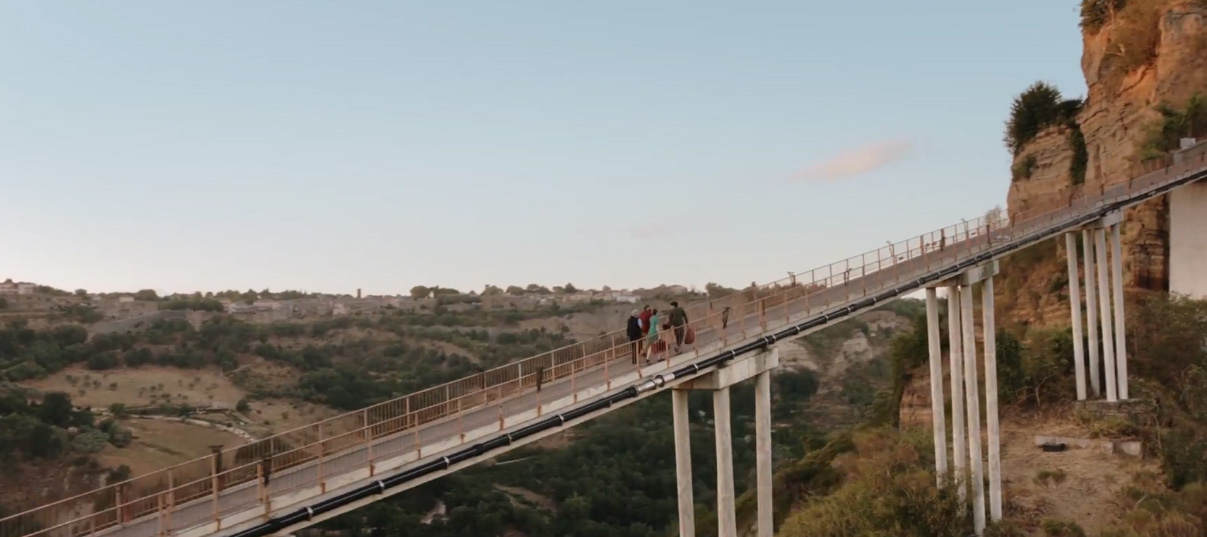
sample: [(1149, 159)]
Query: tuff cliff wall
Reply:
[(1139, 54)]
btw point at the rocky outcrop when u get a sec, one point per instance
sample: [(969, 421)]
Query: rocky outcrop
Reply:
[(1118, 115)]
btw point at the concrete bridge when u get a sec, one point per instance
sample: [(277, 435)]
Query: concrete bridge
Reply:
[(293, 480)]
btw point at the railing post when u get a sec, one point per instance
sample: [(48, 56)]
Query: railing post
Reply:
[(261, 490), (763, 314), (460, 426), (322, 455), (171, 501), (214, 483)]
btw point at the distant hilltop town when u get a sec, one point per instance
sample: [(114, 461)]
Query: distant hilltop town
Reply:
[(265, 306)]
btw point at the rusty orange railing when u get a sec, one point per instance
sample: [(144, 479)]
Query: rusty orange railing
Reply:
[(247, 477)]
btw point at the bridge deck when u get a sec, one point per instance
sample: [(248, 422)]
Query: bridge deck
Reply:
[(348, 455)]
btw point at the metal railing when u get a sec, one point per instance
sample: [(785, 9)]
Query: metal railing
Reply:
[(309, 456)]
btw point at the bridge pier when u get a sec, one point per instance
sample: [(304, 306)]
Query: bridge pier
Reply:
[(1104, 307), (718, 382), (966, 390)]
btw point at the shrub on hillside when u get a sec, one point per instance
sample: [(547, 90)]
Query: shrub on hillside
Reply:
[(90, 441), (889, 489), (1040, 105), (1096, 13), (1023, 169), (1166, 133)]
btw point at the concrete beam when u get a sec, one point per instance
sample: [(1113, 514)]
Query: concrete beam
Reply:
[(762, 446), (1104, 315), (959, 437), (1109, 219), (1120, 333), (938, 421), (1075, 306), (971, 392), (727, 521), (970, 276), (1091, 311), (735, 372), (683, 463)]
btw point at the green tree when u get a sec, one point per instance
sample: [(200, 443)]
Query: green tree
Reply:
[(56, 408), (569, 288), (515, 290), (1040, 105), (420, 291), (146, 294)]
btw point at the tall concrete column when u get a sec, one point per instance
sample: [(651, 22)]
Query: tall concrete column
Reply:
[(762, 446), (727, 524), (955, 358), (1075, 306), (1091, 310), (991, 411), (1120, 332), (938, 421), (972, 393), (1104, 307), (683, 463)]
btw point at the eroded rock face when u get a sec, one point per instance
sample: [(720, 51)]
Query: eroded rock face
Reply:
[(1119, 110)]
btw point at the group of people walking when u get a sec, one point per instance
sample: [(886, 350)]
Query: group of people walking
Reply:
[(647, 330)]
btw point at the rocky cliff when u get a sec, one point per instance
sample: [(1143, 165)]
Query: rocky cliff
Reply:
[(1137, 54)]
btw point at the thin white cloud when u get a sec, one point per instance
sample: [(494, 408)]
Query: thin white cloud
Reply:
[(855, 162)]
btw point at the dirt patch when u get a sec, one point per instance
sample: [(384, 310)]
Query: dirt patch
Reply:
[(143, 386), (272, 416), (159, 444), (540, 501), (258, 375), (1079, 485), (450, 349)]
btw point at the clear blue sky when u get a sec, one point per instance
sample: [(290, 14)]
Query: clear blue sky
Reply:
[(334, 145)]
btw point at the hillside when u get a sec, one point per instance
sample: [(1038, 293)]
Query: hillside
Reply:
[(99, 387)]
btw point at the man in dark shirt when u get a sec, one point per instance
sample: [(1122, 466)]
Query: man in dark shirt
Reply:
[(679, 322), (634, 332)]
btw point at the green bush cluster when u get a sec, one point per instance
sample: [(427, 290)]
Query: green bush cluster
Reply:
[(1023, 169), (1039, 106), (1164, 135), (39, 430)]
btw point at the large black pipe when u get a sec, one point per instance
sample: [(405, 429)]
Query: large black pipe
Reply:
[(277, 524)]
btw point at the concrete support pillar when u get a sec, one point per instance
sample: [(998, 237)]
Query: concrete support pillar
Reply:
[(727, 524), (683, 463), (959, 437), (1075, 306), (972, 394), (1104, 308), (938, 421), (991, 411), (762, 446), (1091, 311), (1120, 332)]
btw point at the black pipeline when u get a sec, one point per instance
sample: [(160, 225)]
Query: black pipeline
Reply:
[(276, 524)]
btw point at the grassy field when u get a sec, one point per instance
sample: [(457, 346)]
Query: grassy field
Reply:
[(143, 386), (162, 443)]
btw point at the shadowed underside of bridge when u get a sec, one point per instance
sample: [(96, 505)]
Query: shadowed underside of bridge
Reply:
[(298, 478)]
